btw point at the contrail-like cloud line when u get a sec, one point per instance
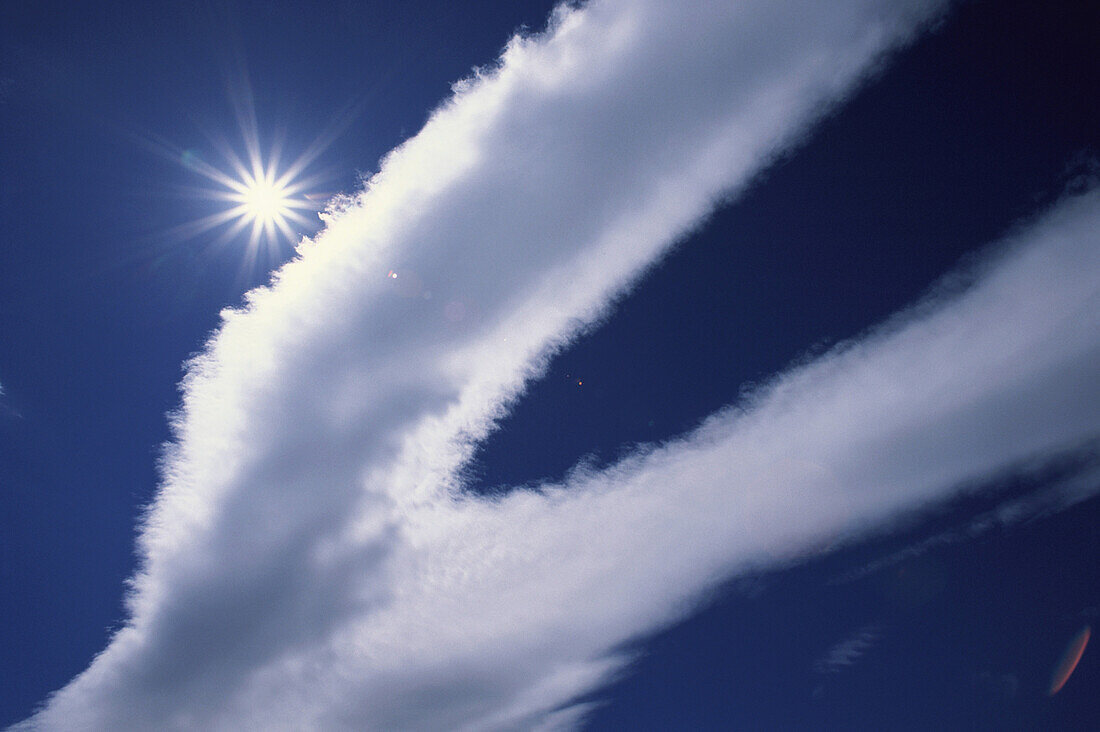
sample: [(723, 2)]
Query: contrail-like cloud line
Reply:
[(311, 560)]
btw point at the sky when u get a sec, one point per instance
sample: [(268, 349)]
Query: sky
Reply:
[(622, 365)]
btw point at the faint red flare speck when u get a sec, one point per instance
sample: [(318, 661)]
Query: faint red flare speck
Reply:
[(1069, 661)]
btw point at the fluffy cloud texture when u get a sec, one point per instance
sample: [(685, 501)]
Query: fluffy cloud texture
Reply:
[(311, 560)]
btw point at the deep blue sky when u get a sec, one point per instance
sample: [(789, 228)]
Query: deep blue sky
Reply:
[(980, 125)]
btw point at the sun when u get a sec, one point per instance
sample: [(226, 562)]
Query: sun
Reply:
[(274, 204), (264, 200), (267, 201)]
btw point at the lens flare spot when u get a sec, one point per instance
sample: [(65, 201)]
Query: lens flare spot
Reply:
[(1070, 658)]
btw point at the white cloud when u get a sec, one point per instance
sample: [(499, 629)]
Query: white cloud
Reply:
[(846, 652), (311, 561), (1080, 482)]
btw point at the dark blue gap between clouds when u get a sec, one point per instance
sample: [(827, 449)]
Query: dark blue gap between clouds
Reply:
[(979, 127)]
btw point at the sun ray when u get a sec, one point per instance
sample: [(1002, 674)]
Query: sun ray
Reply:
[(267, 196), (266, 201)]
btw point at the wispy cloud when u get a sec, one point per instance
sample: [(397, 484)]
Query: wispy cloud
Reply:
[(7, 411), (311, 559), (846, 652), (1080, 482)]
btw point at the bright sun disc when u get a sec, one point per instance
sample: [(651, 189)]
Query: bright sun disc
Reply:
[(269, 202), (265, 201)]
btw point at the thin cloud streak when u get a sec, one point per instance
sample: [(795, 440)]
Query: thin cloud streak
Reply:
[(311, 560), (846, 652), (1056, 495)]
